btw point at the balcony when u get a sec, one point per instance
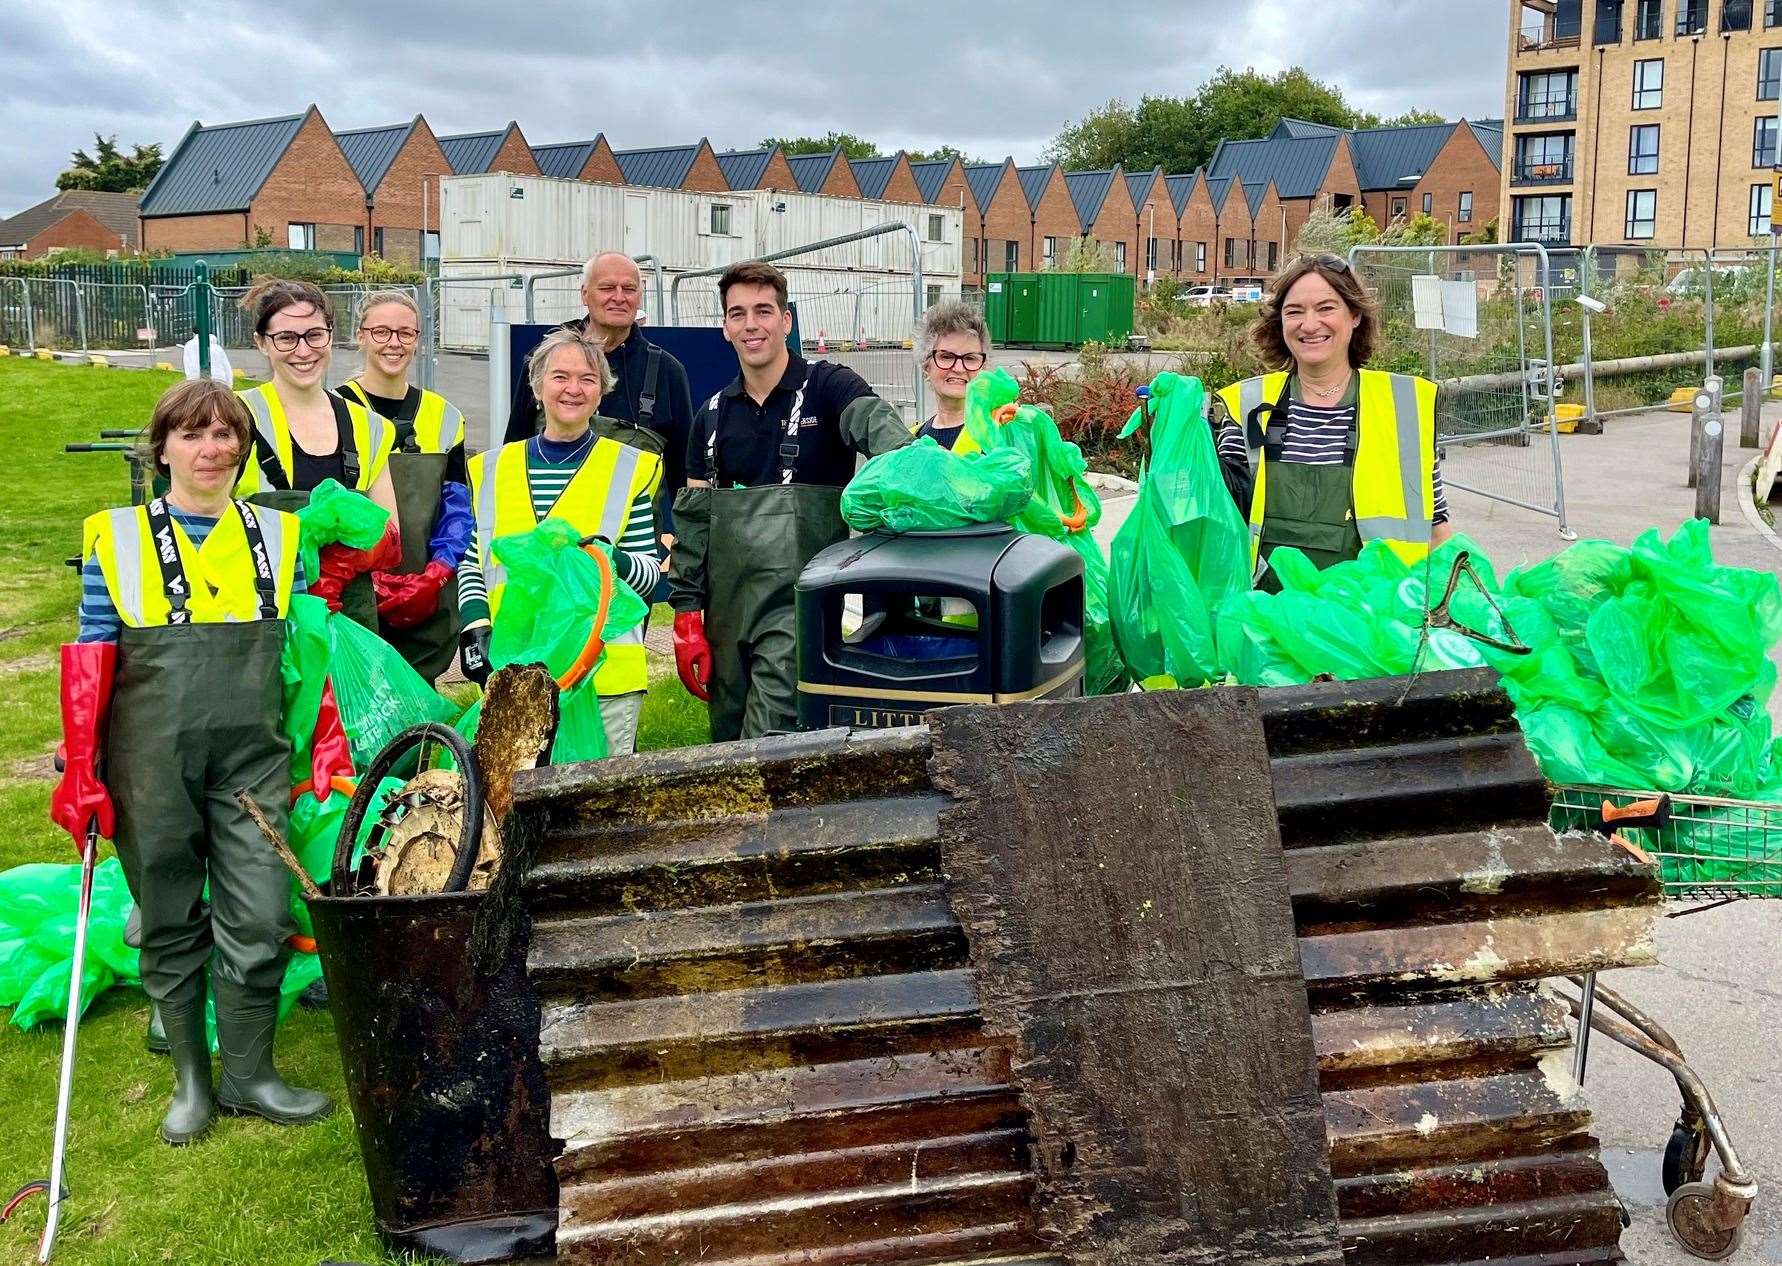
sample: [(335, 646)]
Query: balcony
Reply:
[(1547, 232), (1549, 24), (1541, 172), (1547, 108), (1692, 18)]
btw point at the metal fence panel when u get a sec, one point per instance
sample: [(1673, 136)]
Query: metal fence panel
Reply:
[(1477, 320)]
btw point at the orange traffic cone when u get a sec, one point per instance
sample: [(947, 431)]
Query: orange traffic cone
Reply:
[(822, 343)]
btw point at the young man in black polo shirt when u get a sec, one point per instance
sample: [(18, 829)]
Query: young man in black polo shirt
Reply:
[(767, 460)]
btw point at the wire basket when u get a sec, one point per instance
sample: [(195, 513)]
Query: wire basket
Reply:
[(1712, 849)]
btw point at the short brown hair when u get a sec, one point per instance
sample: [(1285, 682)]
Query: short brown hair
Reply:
[(1266, 334), (752, 272), (269, 296), (189, 406)]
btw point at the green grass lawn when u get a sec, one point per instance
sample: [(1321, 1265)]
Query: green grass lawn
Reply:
[(250, 1192)]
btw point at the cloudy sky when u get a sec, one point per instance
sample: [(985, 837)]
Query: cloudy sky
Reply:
[(992, 78)]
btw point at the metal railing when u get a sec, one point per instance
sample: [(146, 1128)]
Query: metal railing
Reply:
[(1541, 172), (1554, 106), (1543, 231)]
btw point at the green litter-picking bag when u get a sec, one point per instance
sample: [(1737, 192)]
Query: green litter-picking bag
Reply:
[(1182, 550), (551, 602), (923, 487), (379, 695), (336, 515), (38, 905)]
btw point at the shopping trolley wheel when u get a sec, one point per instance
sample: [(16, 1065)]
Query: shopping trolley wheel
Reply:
[(1685, 1156), (1690, 1215)]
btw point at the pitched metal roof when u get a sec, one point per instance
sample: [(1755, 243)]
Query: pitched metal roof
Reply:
[(743, 169), (371, 150), (1033, 183), (1386, 157), (1298, 128), (811, 170), (220, 168), (1218, 189), (1491, 135), (873, 174), (1139, 185), (664, 167), (471, 153), (116, 211), (1254, 192), (564, 159), (1296, 165), (1181, 188), (931, 177), (1088, 190), (984, 179)]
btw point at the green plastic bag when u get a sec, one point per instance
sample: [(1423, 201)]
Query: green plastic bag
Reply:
[(336, 515), (38, 905), (378, 694), (1184, 548), (923, 487), (551, 602)]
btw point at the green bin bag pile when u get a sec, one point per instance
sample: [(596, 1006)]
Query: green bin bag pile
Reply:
[(923, 487)]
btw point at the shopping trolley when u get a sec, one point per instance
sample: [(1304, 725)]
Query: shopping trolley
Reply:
[(1709, 852)]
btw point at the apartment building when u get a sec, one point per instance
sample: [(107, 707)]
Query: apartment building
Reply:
[(1641, 121)]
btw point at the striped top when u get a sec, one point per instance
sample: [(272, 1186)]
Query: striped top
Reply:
[(99, 618), (549, 468), (1315, 437)]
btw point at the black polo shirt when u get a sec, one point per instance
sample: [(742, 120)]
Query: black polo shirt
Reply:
[(749, 434)]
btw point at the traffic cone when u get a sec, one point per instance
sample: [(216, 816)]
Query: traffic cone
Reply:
[(822, 343)]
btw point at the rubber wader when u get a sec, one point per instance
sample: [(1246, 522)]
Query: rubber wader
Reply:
[(1310, 507), (754, 542), (417, 479)]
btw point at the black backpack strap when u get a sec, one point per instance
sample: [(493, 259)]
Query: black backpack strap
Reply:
[(265, 584), (173, 571), (349, 449), (646, 402), (272, 475)]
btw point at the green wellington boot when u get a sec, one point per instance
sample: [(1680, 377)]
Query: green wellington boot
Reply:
[(156, 1037), (193, 1108), (246, 1023)]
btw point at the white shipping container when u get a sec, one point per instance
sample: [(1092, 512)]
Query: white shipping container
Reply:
[(789, 220)]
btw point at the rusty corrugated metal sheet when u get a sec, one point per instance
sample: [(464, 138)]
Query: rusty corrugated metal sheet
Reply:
[(763, 1038)]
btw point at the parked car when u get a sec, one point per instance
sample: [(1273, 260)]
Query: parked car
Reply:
[(1206, 296)]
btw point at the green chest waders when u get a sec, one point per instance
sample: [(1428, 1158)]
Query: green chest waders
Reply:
[(755, 542), (417, 479), (1310, 507)]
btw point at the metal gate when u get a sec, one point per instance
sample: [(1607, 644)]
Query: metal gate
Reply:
[(1478, 322)]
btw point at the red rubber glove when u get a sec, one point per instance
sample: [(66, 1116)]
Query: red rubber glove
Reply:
[(693, 654), (88, 669), (329, 754), (339, 564), (404, 601)]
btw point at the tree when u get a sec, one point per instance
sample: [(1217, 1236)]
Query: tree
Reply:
[(1331, 232), (944, 152), (109, 170), (1419, 230), (1100, 138), (851, 145), (1484, 235), (1085, 255)]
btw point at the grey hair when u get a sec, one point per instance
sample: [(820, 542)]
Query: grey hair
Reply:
[(588, 268), (952, 316), (565, 336)]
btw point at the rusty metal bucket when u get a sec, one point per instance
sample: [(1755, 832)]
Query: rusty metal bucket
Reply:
[(442, 1070)]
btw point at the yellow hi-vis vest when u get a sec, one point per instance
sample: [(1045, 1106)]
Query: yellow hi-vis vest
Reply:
[(219, 577), (596, 502), (1393, 492), (438, 425), (373, 437)]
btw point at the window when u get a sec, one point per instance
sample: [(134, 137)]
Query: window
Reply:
[(934, 228), (1608, 22), (1772, 13), (1541, 219), (1011, 257), (1398, 207), (1692, 17), (1547, 95), (1763, 141), (300, 237), (1200, 257), (1175, 256), (1735, 15), (1273, 255), (1759, 225), (1231, 252), (720, 220), (1428, 204), (1642, 214), (1642, 149), (1466, 206), (429, 245), (1119, 257), (1648, 83), (377, 240), (1649, 20), (358, 239), (1769, 73), (974, 256), (934, 295), (1049, 255), (1151, 254)]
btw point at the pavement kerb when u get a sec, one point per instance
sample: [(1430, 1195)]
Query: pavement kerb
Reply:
[(1747, 499)]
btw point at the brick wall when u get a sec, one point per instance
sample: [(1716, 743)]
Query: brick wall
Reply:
[(1195, 227), (1114, 223), (840, 182), (409, 188), (312, 184), (902, 185), (1004, 218), (225, 230), (1265, 231), (1056, 216), (705, 175), (601, 165), (1461, 165), (515, 155), (777, 174), (75, 229)]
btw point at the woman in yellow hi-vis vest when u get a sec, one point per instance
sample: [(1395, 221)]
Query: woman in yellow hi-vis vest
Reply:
[(304, 434), (597, 485), (175, 681), (1339, 454)]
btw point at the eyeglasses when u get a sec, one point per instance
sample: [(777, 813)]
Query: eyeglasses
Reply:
[(287, 340), (1336, 263), (958, 360), (381, 334)]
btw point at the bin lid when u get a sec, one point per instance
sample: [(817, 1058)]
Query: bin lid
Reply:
[(927, 562)]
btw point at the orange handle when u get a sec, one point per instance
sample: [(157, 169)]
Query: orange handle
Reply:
[(596, 643), (1074, 521), (301, 943), (1653, 812), (339, 782), (1003, 414)]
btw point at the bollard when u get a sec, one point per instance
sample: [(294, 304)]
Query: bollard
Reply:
[(1701, 408), (1751, 410), (1707, 471)]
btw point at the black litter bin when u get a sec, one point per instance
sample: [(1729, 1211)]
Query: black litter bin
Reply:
[(978, 615)]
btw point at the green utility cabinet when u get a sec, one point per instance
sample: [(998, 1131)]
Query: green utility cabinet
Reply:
[(1051, 309)]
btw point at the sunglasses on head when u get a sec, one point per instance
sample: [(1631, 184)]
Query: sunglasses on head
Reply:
[(1335, 263)]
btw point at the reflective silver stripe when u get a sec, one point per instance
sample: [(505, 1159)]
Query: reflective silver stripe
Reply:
[(262, 411), (493, 572), (126, 536), (1384, 527), (793, 420), (1249, 400), (450, 429), (272, 530), (1414, 527), (618, 493), (711, 442)]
